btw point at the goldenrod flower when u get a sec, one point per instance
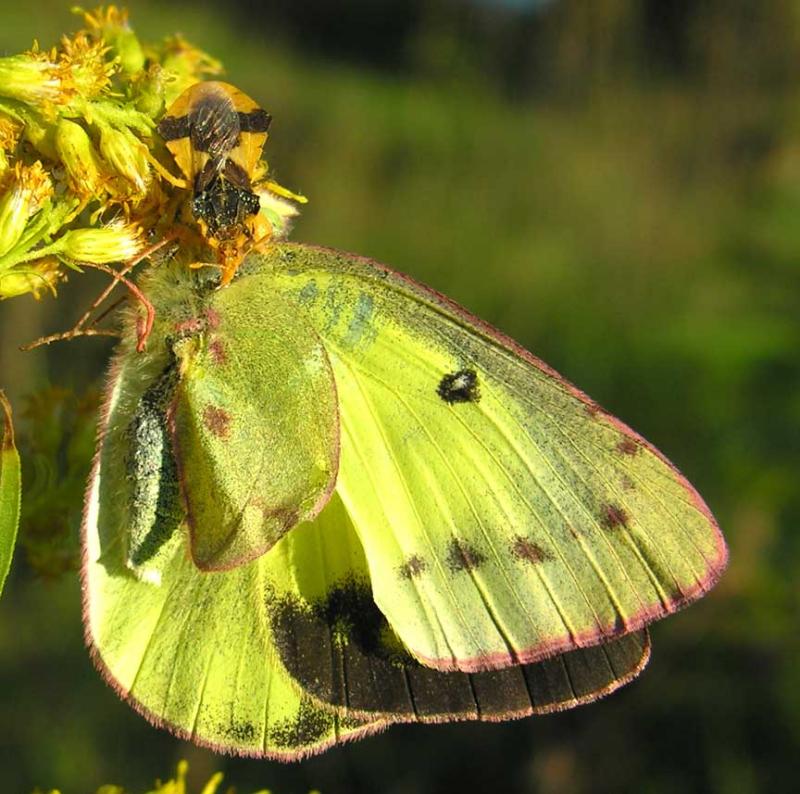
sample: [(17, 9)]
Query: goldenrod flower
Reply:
[(9, 134), (126, 155), (27, 192), (110, 24), (36, 277), (83, 68), (38, 131), (176, 785), (117, 242), (76, 151), (30, 77), (89, 108)]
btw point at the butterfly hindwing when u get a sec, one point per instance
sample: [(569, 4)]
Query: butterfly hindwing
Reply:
[(505, 517)]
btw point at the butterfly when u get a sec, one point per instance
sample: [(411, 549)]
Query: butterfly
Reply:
[(327, 499)]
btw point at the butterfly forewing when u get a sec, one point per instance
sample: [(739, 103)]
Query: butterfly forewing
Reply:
[(504, 516)]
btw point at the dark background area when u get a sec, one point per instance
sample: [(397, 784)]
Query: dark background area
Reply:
[(616, 184)]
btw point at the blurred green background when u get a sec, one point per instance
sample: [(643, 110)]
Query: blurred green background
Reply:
[(616, 184)]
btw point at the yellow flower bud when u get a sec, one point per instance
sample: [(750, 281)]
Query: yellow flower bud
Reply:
[(116, 242), (111, 24), (35, 277), (81, 162), (40, 134), (31, 77), (29, 188), (126, 155)]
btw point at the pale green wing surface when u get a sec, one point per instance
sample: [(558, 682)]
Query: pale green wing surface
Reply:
[(190, 650), (255, 423), (9, 489), (337, 644), (505, 517)]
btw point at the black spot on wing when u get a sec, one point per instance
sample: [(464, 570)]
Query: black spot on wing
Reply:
[(585, 673), (217, 421), (627, 446), (613, 516), (243, 732), (463, 556), (255, 121), (414, 566), (341, 650), (526, 550), (173, 128), (459, 387)]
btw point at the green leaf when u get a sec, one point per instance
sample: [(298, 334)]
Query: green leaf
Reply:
[(9, 490)]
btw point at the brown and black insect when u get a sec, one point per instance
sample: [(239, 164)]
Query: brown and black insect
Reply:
[(216, 134)]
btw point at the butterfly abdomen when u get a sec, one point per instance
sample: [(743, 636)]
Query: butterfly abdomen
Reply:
[(155, 508)]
